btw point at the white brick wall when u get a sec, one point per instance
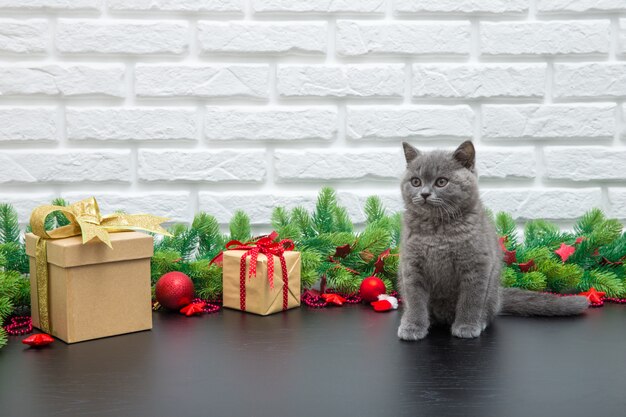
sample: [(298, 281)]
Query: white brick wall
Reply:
[(175, 106)]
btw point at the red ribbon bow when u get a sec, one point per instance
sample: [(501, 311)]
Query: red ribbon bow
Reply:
[(270, 248)]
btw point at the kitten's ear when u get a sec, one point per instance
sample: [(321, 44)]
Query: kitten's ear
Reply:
[(410, 152), (465, 154)]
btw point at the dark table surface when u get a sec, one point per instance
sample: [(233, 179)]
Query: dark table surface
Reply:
[(338, 361)]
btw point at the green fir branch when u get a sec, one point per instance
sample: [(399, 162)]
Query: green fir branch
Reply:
[(9, 224), (239, 226), (505, 226), (374, 209), (324, 211)]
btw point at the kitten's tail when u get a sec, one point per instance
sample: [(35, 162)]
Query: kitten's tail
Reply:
[(520, 302)]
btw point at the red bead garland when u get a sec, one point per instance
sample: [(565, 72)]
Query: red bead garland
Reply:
[(314, 300), (210, 306), (19, 326), (612, 300)]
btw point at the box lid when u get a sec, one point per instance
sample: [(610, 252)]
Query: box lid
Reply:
[(71, 251)]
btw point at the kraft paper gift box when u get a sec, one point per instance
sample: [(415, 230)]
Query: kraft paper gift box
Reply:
[(255, 294), (95, 291)]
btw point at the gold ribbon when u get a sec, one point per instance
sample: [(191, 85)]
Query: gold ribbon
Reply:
[(86, 220)]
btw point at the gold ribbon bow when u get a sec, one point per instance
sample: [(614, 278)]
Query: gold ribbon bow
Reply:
[(86, 220)]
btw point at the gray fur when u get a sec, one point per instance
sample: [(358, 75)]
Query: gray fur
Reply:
[(451, 261)]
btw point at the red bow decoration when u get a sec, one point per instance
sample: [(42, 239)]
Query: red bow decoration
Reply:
[(268, 247)]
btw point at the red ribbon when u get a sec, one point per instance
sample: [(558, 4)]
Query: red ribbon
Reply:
[(267, 246)]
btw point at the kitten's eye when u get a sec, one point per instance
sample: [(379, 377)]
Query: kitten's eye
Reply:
[(441, 182), (416, 182)]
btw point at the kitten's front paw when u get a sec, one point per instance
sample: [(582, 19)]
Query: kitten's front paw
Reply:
[(412, 332), (466, 331)]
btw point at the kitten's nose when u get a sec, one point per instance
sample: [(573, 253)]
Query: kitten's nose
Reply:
[(425, 194)]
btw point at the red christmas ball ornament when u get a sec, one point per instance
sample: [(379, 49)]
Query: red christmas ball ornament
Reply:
[(174, 290), (371, 288)]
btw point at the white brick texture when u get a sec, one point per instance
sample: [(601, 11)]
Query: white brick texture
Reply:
[(23, 36), (617, 199), (341, 81), (56, 80), (367, 38), (318, 6), (121, 37), (265, 37), (62, 166), (368, 122), (622, 36), (202, 81), (590, 80), (260, 123), (175, 106), (592, 163), (556, 121), (461, 6), (27, 123), (232, 6), (201, 166), (554, 204), (131, 123), (580, 5), (476, 81), (545, 38), (63, 5)]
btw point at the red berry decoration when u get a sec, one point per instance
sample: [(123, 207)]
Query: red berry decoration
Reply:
[(371, 288), (174, 290)]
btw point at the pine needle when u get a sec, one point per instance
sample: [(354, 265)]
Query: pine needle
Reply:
[(9, 224), (210, 239), (3, 337), (588, 222), (374, 209), (303, 222), (324, 210), (240, 226)]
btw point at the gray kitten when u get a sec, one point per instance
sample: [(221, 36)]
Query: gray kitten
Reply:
[(451, 260)]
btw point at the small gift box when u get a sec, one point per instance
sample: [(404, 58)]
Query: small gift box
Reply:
[(261, 276), (84, 289)]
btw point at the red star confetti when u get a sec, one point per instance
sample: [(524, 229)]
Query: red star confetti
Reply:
[(379, 265), (193, 309), (594, 297), (342, 251), (38, 340), (565, 251), (527, 266), (510, 256), (334, 298), (579, 240)]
